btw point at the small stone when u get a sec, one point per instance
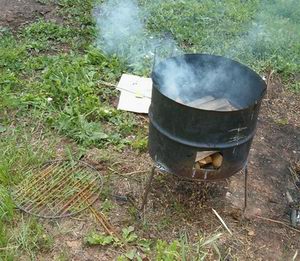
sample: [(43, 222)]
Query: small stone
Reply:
[(9, 18), (74, 245), (228, 194), (251, 233), (252, 212)]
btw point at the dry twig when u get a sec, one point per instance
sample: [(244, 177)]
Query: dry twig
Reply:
[(7, 248), (101, 218), (134, 172), (108, 84), (278, 222), (222, 221), (269, 78)]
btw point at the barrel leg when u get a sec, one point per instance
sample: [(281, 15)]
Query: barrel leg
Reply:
[(148, 186), (246, 188)]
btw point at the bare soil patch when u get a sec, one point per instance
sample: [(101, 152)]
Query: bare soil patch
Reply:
[(16, 13)]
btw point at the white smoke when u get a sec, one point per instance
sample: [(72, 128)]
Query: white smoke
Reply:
[(179, 78), (122, 32)]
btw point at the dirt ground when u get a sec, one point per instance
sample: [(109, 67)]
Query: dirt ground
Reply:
[(17, 13), (189, 205), (176, 206)]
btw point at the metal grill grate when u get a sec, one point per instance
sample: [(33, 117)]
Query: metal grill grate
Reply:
[(58, 188)]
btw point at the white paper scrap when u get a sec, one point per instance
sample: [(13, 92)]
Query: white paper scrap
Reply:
[(135, 93), (129, 102), (140, 86)]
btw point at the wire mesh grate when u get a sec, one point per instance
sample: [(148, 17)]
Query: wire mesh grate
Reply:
[(58, 189)]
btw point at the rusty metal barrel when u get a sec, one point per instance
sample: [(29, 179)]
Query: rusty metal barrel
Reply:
[(178, 131)]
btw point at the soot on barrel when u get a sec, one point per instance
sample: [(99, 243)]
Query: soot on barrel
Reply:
[(203, 115)]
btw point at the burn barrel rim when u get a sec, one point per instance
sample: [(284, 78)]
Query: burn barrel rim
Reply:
[(258, 82)]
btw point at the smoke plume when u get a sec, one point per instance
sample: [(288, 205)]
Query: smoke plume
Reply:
[(122, 30)]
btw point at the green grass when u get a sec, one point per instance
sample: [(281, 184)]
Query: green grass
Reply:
[(261, 34), (181, 249), (50, 73), (32, 237), (23, 145)]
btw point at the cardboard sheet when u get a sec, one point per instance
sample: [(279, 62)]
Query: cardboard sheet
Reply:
[(135, 93), (129, 102)]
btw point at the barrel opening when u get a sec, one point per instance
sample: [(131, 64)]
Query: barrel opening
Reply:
[(190, 78), (208, 160)]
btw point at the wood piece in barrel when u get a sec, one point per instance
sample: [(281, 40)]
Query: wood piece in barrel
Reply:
[(197, 166), (203, 154), (216, 105), (228, 108), (205, 161), (198, 102), (217, 160)]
